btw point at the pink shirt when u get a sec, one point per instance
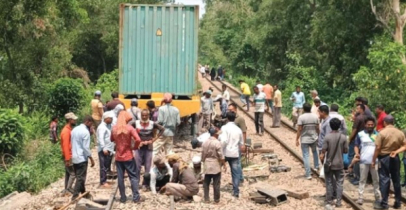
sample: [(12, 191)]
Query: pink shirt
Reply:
[(123, 143)]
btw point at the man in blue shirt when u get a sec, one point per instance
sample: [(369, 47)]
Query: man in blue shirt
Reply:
[(298, 99), (80, 138)]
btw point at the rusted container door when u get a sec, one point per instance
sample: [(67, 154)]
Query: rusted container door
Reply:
[(158, 49)]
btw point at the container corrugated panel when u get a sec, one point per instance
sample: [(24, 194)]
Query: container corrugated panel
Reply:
[(158, 49)]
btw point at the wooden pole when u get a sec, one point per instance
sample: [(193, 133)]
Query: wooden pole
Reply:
[(71, 202)]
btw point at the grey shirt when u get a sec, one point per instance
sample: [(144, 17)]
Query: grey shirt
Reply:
[(168, 116), (309, 123), (329, 145), (324, 130)]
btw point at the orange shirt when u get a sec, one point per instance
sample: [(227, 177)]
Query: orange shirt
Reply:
[(66, 143), (268, 90)]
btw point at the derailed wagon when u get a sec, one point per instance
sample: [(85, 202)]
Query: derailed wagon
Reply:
[(158, 54)]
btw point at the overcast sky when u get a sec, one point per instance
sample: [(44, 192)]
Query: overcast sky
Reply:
[(194, 2)]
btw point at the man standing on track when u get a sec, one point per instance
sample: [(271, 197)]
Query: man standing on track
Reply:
[(325, 125), (335, 144), (246, 93), (276, 119), (124, 135), (169, 118), (206, 109), (390, 139), (364, 150), (213, 159), (268, 90), (298, 99), (240, 122), (308, 131), (143, 156), (357, 127), (259, 104), (66, 145), (106, 147), (81, 153), (232, 141)]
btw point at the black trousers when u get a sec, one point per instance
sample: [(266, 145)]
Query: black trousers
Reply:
[(105, 162), (130, 167), (81, 172), (390, 169), (259, 122), (216, 186)]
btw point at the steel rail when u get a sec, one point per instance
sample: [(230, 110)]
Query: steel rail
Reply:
[(346, 197)]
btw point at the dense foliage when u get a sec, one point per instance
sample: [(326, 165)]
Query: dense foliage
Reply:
[(12, 132), (336, 47), (66, 96)]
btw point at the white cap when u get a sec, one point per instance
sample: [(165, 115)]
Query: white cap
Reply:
[(108, 115), (196, 159)]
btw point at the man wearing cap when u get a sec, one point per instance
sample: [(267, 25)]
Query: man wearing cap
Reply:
[(390, 139), (206, 108), (213, 159), (106, 147), (97, 109), (81, 153), (197, 168), (169, 118), (134, 111), (66, 146)]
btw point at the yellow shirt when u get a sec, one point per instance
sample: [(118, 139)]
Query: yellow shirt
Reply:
[(96, 105), (277, 100), (245, 89)]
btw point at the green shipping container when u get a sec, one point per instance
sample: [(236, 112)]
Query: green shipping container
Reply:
[(158, 49)]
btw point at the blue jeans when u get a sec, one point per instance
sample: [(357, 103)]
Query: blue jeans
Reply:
[(389, 168), (351, 152), (404, 166), (240, 165), (245, 99), (130, 167), (235, 173), (105, 162), (306, 154)]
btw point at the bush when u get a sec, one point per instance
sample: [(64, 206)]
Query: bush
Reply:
[(45, 168), (12, 132), (66, 95), (108, 82)]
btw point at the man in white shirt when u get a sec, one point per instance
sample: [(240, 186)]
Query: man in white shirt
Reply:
[(260, 86), (259, 104), (334, 114), (225, 93), (232, 141), (203, 71)]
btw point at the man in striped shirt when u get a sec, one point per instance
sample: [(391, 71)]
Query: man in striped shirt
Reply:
[(259, 103)]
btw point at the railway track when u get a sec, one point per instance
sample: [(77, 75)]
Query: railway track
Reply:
[(276, 134)]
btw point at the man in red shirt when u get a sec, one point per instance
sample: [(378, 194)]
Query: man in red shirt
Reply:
[(66, 146), (122, 134), (380, 111)]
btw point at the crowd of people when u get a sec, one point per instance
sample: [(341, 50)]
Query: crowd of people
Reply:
[(128, 139), (371, 141)]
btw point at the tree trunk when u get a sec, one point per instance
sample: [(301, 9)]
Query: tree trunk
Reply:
[(20, 107), (398, 36)]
